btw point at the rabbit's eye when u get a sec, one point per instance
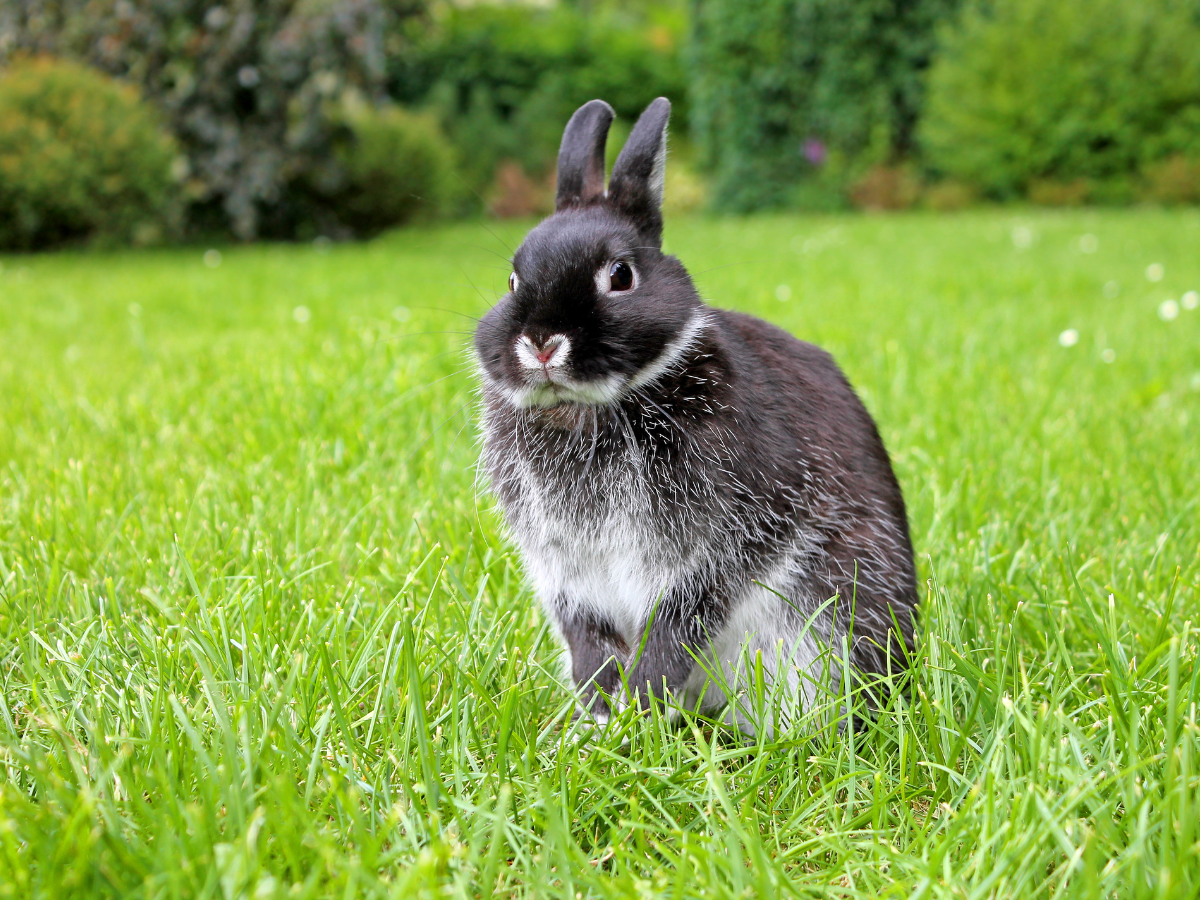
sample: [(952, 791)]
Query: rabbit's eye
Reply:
[(513, 281), (620, 277)]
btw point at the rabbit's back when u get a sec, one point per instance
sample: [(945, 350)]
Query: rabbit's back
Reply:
[(796, 395), (835, 472)]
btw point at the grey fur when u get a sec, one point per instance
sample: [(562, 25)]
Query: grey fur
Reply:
[(682, 481)]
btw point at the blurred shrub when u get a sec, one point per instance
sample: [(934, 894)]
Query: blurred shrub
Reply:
[(1173, 180), (81, 157), (513, 193), (949, 196), (1049, 192), (245, 85), (504, 78), (886, 187), (389, 166), (793, 100), (1044, 96)]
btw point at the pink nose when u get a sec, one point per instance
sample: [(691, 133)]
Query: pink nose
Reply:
[(546, 351)]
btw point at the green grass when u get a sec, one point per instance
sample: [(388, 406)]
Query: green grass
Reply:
[(260, 637)]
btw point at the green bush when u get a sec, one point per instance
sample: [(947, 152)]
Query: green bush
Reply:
[(81, 157), (793, 100), (388, 167), (244, 85), (1031, 95), (504, 79)]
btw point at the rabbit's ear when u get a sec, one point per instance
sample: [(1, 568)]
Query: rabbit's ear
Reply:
[(581, 156), (636, 186)]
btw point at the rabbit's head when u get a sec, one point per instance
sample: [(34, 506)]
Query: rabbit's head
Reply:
[(594, 309)]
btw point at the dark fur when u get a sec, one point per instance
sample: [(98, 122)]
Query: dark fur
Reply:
[(751, 452)]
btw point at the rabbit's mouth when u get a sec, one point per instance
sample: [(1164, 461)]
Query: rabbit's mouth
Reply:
[(543, 390), (543, 376)]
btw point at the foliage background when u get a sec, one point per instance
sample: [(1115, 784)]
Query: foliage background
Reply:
[(809, 104), (504, 78), (844, 75), (1027, 94), (245, 86), (80, 156)]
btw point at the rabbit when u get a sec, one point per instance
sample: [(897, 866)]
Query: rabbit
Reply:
[(688, 487)]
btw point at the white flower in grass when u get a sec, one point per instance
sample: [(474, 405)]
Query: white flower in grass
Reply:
[(1168, 310), (1111, 289), (1089, 243), (301, 314), (1022, 237), (248, 77), (1190, 300), (212, 258), (1069, 338), (783, 293), (1155, 272), (1109, 355)]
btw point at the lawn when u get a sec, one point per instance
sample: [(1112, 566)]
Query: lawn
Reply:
[(261, 633)]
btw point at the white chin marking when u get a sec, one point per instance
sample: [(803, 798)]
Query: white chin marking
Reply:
[(587, 393), (603, 391)]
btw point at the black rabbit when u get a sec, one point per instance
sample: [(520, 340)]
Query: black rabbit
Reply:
[(684, 483)]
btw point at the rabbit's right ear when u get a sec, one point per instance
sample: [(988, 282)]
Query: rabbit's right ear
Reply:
[(581, 156), (636, 186)]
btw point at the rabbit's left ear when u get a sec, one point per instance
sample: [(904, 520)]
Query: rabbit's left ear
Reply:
[(636, 185), (581, 156)]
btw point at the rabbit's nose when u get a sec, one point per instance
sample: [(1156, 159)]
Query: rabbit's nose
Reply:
[(542, 354), (549, 349)]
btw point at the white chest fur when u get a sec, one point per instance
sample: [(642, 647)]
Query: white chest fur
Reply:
[(604, 555), (609, 561)]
